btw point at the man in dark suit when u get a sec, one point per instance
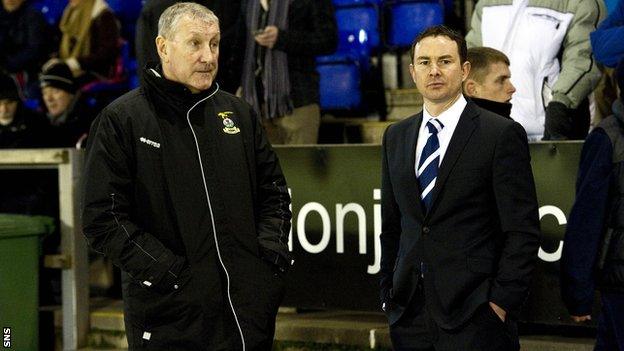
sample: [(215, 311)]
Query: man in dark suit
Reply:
[(460, 228)]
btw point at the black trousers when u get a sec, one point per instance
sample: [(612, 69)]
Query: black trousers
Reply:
[(484, 331)]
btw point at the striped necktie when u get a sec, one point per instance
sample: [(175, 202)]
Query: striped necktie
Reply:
[(427, 170)]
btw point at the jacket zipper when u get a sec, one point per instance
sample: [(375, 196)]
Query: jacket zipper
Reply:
[(214, 228)]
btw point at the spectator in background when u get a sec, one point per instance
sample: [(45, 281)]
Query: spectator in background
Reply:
[(551, 100), (228, 12), (489, 80), (19, 127), (593, 249), (279, 71), (24, 42), (608, 45), (90, 40), (67, 111)]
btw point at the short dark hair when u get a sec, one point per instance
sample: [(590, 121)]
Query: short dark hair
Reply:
[(442, 30), (481, 58)]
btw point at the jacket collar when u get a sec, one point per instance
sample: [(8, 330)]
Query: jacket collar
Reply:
[(461, 136), (174, 94), (500, 108), (413, 187)]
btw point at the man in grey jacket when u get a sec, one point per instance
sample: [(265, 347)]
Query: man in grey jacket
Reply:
[(552, 66)]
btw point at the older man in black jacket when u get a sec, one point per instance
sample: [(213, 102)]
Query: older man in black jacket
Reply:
[(184, 193)]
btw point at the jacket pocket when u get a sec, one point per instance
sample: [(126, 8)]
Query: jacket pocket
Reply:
[(172, 309)]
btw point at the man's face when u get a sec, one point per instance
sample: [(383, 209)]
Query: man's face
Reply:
[(437, 70), (7, 111), (12, 5), (496, 85), (56, 100), (191, 56)]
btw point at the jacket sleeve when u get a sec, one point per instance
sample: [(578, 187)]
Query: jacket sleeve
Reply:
[(107, 208), (607, 40), (579, 71), (322, 39), (516, 202), (473, 38), (273, 202), (390, 225), (586, 224)]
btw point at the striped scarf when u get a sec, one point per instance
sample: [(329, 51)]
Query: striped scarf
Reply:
[(275, 78)]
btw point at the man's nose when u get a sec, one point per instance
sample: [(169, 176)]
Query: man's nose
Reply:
[(209, 54), (434, 70)]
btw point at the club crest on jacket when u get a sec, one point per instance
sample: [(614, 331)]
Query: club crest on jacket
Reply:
[(230, 127)]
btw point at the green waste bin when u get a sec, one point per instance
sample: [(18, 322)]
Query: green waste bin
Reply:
[(19, 279)]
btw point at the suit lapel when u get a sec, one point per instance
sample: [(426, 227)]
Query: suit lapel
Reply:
[(413, 187), (461, 135)]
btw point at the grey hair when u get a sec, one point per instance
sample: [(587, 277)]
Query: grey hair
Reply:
[(169, 19)]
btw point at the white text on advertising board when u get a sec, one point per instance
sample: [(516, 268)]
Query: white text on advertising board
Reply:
[(341, 212)]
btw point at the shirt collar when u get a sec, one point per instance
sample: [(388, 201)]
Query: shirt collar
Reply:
[(451, 115)]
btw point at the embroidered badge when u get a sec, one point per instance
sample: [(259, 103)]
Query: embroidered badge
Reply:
[(230, 127)]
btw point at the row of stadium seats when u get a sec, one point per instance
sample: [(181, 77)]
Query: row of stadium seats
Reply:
[(361, 25), (359, 30)]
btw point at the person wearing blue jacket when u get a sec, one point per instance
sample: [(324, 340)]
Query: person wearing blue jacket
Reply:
[(608, 49), (606, 40), (593, 249)]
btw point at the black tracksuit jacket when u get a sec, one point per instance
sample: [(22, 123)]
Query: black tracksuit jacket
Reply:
[(184, 193)]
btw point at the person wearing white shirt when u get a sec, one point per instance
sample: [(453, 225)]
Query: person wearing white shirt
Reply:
[(460, 228)]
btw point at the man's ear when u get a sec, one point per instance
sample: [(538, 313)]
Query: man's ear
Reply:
[(412, 72), (161, 47), (470, 87), (465, 70)]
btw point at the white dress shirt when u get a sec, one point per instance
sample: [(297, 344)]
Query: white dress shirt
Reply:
[(449, 119)]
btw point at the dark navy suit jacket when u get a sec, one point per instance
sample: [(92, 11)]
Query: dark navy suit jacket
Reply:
[(479, 241)]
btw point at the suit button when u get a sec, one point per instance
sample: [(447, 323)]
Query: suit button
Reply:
[(426, 230)]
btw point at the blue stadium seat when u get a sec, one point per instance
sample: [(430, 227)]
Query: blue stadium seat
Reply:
[(339, 82), (408, 18), (364, 17), (32, 104), (343, 3), (52, 10), (127, 11), (355, 44)]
